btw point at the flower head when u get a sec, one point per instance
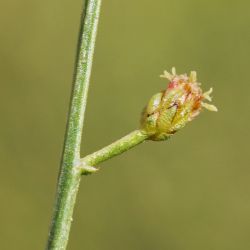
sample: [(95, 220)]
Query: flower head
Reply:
[(171, 109)]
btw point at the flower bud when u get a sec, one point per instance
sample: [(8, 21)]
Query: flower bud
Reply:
[(171, 109)]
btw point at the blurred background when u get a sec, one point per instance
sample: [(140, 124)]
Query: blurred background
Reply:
[(189, 193)]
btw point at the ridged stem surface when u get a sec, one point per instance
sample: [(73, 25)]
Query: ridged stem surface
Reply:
[(69, 175)]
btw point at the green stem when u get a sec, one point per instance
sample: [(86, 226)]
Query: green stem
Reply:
[(116, 148), (69, 176)]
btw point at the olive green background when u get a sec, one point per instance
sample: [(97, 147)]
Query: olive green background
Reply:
[(189, 193)]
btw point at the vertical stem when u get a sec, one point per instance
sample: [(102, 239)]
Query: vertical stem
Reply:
[(69, 176)]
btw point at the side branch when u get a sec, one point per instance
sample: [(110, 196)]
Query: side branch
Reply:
[(118, 147)]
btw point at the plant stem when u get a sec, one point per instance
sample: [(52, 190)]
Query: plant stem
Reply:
[(116, 148), (69, 176)]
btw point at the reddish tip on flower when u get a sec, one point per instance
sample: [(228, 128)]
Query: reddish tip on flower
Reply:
[(171, 109)]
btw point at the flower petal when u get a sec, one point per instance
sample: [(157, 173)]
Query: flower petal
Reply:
[(209, 107)]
